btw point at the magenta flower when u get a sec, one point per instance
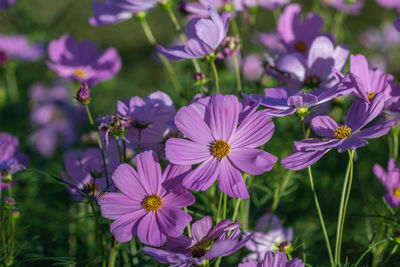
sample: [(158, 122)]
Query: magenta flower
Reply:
[(297, 36), (115, 11), (266, 4), (263, 241), (206, 243), (18, 47), (6, 3), (82, 62), (11, 159), (315, 72), (391, 182), (252, 67), (389, 4), (272, 259), (352, 8), (204, 37), (153, 117), (369, 82), (150, 201), (280, 102), (350, 135), (54, 118), (200, 9), (85, 171), (221, 146)]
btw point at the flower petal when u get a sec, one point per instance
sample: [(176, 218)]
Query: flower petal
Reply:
[(200, 228), (126, 180), (125, 227), (186, 152), (172, 221), (230, 180), (114, 205), (300, 160), (324, 126), (252, 161), (149, 171), (201, 178), (351, 143), (376, 130), (149, 232)]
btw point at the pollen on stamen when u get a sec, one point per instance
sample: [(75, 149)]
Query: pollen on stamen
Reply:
[(371, 95), (220, 149), (79, 73), (396, 192), (342, 132), (152, 203), (300, 47)]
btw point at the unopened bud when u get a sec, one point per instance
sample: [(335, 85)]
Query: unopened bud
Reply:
[(83, 94), (9, 202), (301, 112), (15, 214), (286, 247), (200, 78), (7, 177)]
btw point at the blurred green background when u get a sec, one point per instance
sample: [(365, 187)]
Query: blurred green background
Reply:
[(50, 215)]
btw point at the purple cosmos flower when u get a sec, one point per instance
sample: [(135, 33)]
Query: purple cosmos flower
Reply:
[(82, 62), (86, 172), (204, 37), (11, 159), (206, 243), (389, 4), (344, 6), (391, 181), (113, 125), (153, 117), (271, 40), (264, 239), (6, 3), (221, 146), (350, 135), (297, 36), (280, 102), (115, 11), (272, 259), (54, 117), (18, 47), (369, 82), (200, 9), (266, 4), (397, 24), (150, 201), (315, 72)]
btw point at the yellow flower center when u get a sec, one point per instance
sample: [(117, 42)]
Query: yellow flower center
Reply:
[(396, 192), (300, 47), (371, 95), (342, 132), (79, 73), (220, 149), (152, 203)]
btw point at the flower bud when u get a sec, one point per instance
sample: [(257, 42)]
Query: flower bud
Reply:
[(200, 78), (83, 94), (301, 112), (7, 177), (3, 58), (229, 47), (15, 214), (286, 247), (9, 202)]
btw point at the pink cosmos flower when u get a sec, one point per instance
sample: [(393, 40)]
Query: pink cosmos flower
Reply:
[(83, 61), (150, 201), (391, 181), (18, 47), (220, 145), (389, 3), (345, 6), (272, 259)]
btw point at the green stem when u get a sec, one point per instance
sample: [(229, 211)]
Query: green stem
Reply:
[(9, 189), (238, 80), (321, 219), (113, 255), (10, 257), (3, 237), (395, 145), (188, 226), (12, 87), (391, 254), (121, 160), (99, 232), (219, 206), (343, 207), (152, 40), (124, 149), (225, 206), (134, 252), (99, 144), (368, 250), (215, 75)]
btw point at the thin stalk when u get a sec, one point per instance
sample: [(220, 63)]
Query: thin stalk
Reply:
[(219, 206), (99, 232), (188, 226), (343, 207), (225, 206), (121, 157), (9, 189), (3, 237), (113, 254), (238, 200), (237, 70), (124, 148), (395, 145), (215, 75), (152, 40), (134, 252), (321, 219), (368, 250), (12, 86), (10, 257), (99, 144), (391, 254)]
